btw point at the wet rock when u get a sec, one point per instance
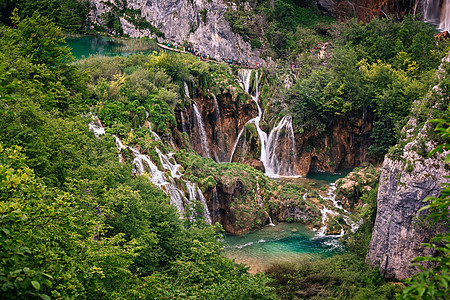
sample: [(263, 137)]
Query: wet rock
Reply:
[(442, 36), (256, 163)]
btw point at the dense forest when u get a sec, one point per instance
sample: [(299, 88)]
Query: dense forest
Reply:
[(77, 222)]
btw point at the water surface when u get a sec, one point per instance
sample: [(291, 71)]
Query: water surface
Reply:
[(284, 243), (83, 46), (327, 176)]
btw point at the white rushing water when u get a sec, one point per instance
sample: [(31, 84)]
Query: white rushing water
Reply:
[(186, 90), (437, 12), (346, 215), (201, 131), (96, 126), (166, 179), (275, 165), (221, 156)]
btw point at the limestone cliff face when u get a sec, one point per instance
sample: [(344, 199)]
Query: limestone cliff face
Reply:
[(404, 184), (365, 10), (183, 21), (222, 121), (342, 145)]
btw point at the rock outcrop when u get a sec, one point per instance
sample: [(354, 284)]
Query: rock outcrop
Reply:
[(351, 188), (408, 177), (367, 10), (196, 22), (399, 227), (343, 145)]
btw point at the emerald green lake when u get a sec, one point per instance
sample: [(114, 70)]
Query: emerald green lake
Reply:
[(326, 176), (83, 46), (284, 243)]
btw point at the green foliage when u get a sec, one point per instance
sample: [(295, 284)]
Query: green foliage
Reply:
[(203, 15), (74, 223), (343, 276), (277, 30), (70, 15), (381, 139)]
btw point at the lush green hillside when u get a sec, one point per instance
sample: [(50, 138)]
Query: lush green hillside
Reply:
[(75, 223)]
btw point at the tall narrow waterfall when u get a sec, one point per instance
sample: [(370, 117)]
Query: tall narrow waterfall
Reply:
[(186, 89), (201, 131), (444, 23), (281, 150), (220, 153), (437, 12), (278, 152)]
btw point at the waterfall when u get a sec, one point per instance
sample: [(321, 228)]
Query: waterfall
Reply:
[(96, 127), (186, 90), (146, 167), (167, 165), (274, 164), (195, 194), (205, 207), (325, 212), (281, 164), (331, 196), (201, 131), (221, 157), (183, 122), (437, 12), (444, 23), (244, 79)]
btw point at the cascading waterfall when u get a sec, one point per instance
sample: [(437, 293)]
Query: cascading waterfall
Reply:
[(183, 122), (198, 123), (444, 23), (331, 196), (220, 155), (186, 90), (244, 79), (281, 164), (96, 126), (202, 200), (325, 212), (437, 12), (201, 130), (166, 180), (195, 194), (274, 164)]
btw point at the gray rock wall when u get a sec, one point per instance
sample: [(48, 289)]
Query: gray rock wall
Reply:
[(404, 184), (180, 21)]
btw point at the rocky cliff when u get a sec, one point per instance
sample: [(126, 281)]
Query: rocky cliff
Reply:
[(408, 177), (366, 10), (195, 22)]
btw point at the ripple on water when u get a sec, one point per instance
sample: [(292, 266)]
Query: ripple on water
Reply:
[(285, 243)]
